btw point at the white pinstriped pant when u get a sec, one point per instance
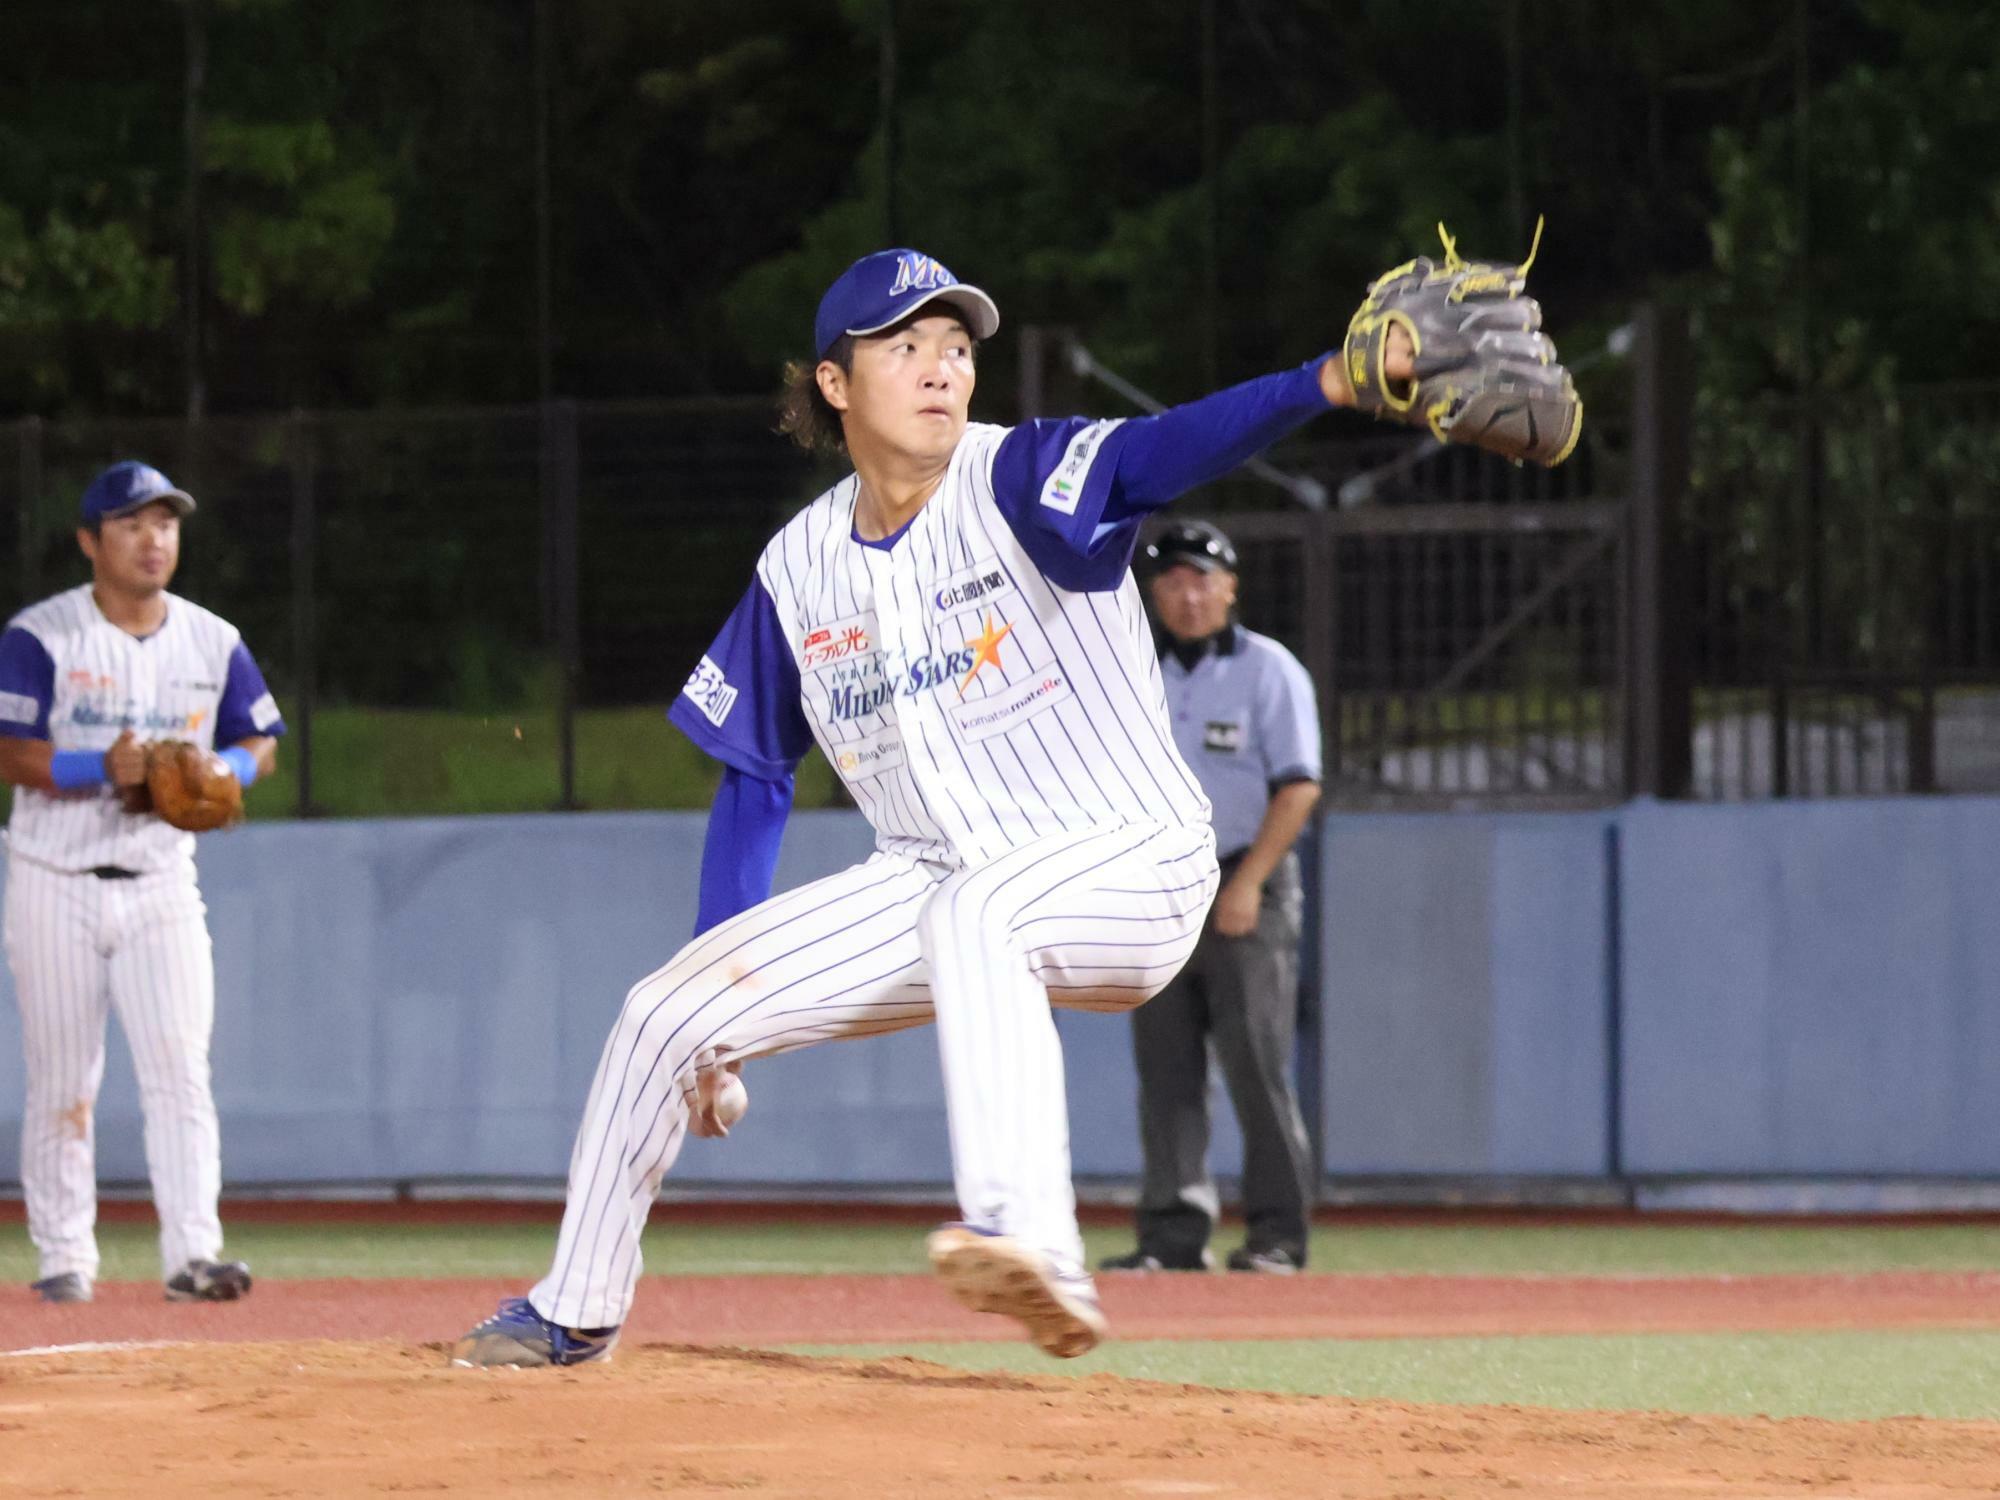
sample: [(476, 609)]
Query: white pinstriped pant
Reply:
[(1097, 920), (79, 947)]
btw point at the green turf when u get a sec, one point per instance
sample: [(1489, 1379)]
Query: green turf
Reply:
[(380, 762), (1655, 1249), (696, 1249), (1831, 1375), (391, 762)]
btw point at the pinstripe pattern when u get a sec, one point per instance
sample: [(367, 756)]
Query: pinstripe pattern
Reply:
[(79, 949), (169, 681), (1039, 840), (978, 761), (1102, 917)]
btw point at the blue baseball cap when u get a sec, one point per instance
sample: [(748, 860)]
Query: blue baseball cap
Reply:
[(123, 488), (880, 290)]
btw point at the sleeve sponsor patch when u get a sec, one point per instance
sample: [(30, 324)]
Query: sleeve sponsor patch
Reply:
[(19, 708), (1064, 487), (710, 692), (264, 712)]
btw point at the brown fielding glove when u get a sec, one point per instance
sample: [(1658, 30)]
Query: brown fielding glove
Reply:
[(1486, 374), (192, 788)]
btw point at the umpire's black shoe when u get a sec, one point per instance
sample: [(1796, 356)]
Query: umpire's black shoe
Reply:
[(209, 1281), (1275, 1261), (1146, 1260)]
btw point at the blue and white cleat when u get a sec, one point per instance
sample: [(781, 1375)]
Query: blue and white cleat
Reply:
[(519, 1338), (995, 1273), (70, 1286)]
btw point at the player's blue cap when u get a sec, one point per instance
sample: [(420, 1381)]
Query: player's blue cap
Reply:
[(882, 289), (125, 487)]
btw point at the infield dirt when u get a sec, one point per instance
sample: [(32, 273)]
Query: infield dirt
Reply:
[(340, 1388), (319, 1418)]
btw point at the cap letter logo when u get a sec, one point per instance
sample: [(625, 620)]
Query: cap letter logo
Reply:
[(919, 273)]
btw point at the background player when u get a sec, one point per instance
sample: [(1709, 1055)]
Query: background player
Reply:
[(102, 906), (957, 627), (1245, 719)]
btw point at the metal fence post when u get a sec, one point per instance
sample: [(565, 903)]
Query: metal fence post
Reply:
[(1319, 594), (560, 485), (1031, 351), (30, 505), (305, 626), (1659, 711)]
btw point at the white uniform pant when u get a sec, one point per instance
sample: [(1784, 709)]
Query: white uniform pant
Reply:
[(1098, 920), (80, 947)]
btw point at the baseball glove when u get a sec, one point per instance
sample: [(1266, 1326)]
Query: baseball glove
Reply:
[(190, 788), (1486, 374)]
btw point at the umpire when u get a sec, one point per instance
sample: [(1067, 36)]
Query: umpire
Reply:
[(1246, 721)]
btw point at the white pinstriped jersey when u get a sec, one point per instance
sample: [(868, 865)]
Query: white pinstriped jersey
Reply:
[(969, 703), (180, 682), (987, 687)]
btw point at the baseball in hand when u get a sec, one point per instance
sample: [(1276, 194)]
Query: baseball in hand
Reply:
[(716, 1101), (731, 1099)]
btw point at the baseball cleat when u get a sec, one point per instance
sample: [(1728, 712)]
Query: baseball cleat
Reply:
[(71, 1286), (519, 1338), (209, 1281), (995, 1273)]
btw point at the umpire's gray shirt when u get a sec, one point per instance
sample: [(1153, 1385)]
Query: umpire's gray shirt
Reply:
[(1246, 720)]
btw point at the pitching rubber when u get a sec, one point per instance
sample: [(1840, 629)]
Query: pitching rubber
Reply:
[(995, 1274)]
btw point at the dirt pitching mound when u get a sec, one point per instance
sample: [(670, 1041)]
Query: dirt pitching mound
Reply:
[(315, 1418)]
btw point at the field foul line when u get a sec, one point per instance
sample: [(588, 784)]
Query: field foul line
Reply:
[(97, 1348)]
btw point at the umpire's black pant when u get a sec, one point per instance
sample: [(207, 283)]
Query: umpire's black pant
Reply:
[(1241, 995)]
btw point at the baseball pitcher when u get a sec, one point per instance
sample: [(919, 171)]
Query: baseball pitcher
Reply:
[(956, 626)]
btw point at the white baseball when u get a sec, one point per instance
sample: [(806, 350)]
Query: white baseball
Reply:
[(731, 1099)]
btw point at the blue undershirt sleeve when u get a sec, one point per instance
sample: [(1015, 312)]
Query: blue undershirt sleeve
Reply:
[(1074, 491), (739, 856)]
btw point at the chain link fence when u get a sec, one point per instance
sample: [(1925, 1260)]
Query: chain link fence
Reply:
[(488, 610), (460, 611), (1844, 568)]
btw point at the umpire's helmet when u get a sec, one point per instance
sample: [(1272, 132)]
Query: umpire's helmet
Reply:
[(1196, 543)]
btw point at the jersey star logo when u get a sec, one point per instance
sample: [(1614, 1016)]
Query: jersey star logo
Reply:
[(985, 648)]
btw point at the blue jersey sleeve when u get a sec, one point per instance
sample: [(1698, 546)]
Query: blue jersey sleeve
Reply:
[(1075, 491), (739, 856), (27, 684), (741, 704), (247, 708)]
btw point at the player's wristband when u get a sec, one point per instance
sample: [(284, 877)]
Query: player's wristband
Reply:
[(243, 763), (73, 770)]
